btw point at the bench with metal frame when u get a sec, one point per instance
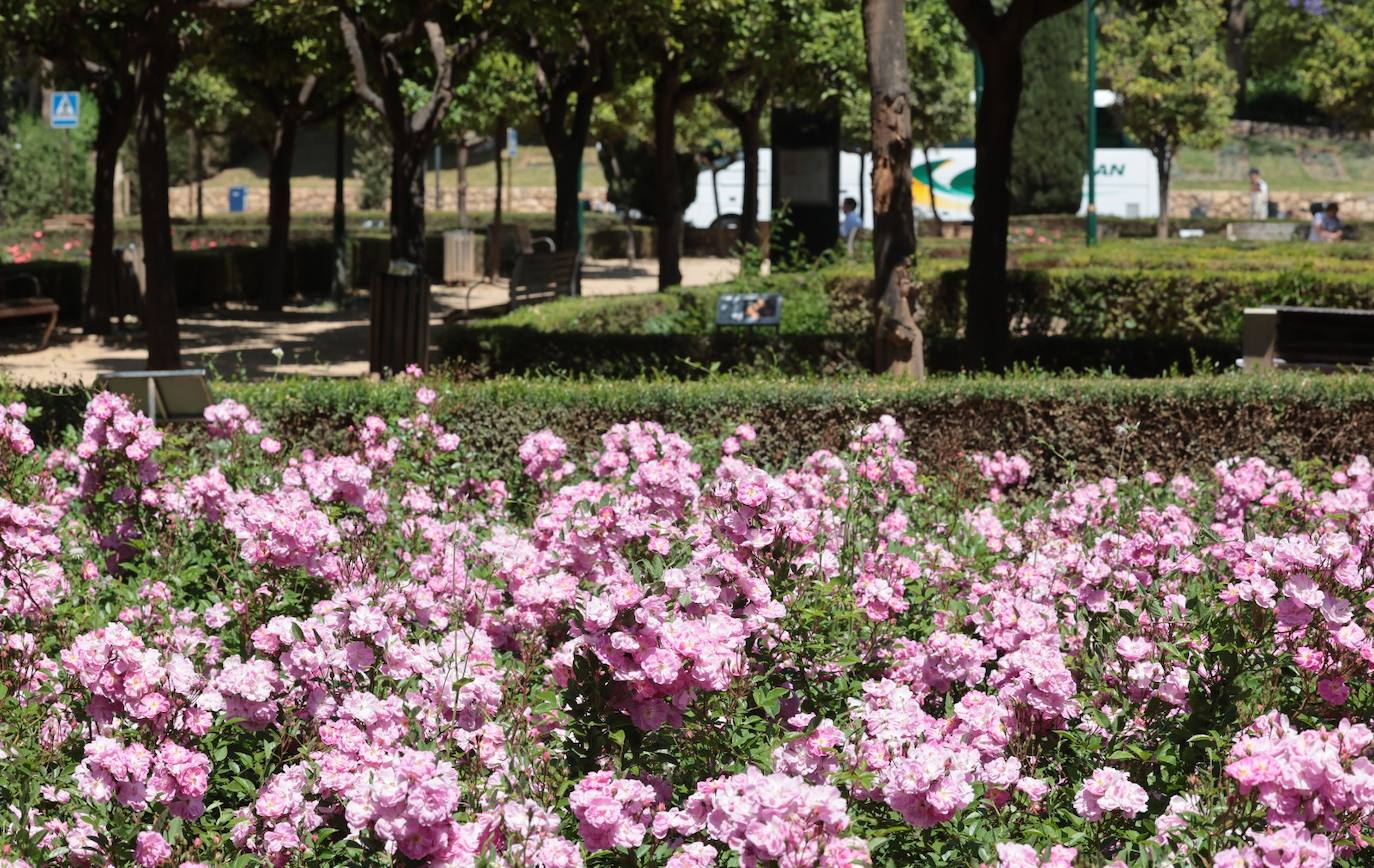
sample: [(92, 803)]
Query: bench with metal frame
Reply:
[(14, 305), (1321, 338), (538, 277)]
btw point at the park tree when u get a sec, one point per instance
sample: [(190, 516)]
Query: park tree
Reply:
[(406, 57), (297, 76), (1342, 88), (998, 32), (1049, 157), (204, 104), (571, 48), (899, 345), (941, 79), (682, 48), (90, 45), (1174, 87)]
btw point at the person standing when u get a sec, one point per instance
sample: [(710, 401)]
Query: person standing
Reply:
[(851, 222), (1259, 196)]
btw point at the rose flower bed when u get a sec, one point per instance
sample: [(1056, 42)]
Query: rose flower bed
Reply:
[(236, 650)]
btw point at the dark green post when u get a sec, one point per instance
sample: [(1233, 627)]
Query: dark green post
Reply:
[(581, 231), (1092, 124)]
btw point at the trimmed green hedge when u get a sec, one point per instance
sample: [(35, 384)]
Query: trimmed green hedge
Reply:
[(1083, 428), (1104, 302)]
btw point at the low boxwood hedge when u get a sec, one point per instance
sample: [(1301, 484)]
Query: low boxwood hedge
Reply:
[(1068, 427)]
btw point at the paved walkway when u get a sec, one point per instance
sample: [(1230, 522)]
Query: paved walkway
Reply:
[(239, 341)]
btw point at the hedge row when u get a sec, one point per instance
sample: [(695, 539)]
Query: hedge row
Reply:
[(1112, 303), (512, 350), (1069, 428)]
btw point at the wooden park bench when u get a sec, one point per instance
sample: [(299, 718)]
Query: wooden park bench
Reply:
[(22, 296), (541, 277), (1323, 338), (538, 277)]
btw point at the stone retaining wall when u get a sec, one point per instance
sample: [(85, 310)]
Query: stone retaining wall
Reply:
[(1236, 204)]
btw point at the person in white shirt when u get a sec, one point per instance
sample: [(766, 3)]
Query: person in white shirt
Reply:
[(851, 223), (1259, 196)]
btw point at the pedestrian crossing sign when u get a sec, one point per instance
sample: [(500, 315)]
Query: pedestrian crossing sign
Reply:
[(65, 110)]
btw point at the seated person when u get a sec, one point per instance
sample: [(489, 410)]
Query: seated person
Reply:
[(1328, 226), (852, 221)]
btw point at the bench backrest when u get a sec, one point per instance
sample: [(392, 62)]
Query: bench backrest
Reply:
[(543, 276), (19, 285), (1311, 336)]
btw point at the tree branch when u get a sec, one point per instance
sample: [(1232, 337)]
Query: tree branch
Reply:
[(353, 45)]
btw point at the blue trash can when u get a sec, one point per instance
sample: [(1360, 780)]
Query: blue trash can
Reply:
[(238, 199)]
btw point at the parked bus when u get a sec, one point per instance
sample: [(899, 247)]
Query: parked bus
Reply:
[(1127, 186)]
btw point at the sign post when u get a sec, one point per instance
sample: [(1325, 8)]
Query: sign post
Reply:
[(64, 113), (512, 144), (1091, 226)]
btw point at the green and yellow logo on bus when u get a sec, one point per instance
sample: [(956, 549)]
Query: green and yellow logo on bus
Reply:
[(943, 183)]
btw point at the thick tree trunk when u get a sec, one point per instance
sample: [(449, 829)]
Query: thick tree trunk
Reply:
[(160, 300), (112, 127), (408, 202), (899, 346), (669, 204), (988, 334), (281, 155), (1165, 162), (750, 139), (567, 160), (1236, 21), (340, 285)]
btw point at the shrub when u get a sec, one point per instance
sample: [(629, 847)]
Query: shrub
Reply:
[(1069, 427), (640, 648)]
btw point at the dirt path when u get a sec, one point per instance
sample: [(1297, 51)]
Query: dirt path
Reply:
[(313, 341)]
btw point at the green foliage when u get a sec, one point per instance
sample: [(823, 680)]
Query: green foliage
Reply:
[(1050, 143), (39, 164), (371, 159), (632, 178), (1065, 425), (941, 75), (1170, 74), (1337, 70)]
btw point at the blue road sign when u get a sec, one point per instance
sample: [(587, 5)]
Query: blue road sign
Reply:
[(64, 110), (238, 198), (510, 142)]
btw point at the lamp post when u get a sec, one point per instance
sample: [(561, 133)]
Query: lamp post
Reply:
[(1092, 125)]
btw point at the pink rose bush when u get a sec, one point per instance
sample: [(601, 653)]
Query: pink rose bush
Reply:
[(224, 644)]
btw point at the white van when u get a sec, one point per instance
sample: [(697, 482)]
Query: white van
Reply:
[(1127, 186)]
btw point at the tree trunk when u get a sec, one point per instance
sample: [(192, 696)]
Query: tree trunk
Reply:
[(669, 204), (567, 159), (160, 299), (1164, 161), (494, 240), (198, 176), (340, 285), (408, 202), (112, 127), (987, 334), (1236, 16), (750, 138), (281, 155), (935, 211), (898, 343)]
